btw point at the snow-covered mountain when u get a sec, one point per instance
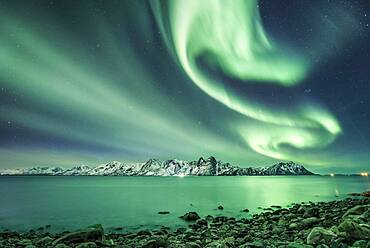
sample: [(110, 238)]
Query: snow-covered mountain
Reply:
[(155, 167)]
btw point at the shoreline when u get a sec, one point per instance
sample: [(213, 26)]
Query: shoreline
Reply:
[(338, 223)]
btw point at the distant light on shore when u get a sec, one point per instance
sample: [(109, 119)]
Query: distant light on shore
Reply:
[(332, 174), (364, 174)]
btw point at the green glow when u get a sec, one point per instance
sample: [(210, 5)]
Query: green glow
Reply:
[(232, 32), (77, 100)]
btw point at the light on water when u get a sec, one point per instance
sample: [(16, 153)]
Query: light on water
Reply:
[(134, 202)]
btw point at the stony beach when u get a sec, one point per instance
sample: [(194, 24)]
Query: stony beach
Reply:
[(341, 223)]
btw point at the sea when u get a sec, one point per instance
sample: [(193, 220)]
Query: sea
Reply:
[(126, 204)]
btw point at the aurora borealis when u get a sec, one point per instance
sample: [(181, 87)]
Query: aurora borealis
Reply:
[(245, 81)]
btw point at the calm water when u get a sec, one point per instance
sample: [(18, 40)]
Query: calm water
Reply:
[(133, 202)]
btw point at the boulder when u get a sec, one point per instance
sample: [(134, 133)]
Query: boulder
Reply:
[(90, 234), (320, 235), (354, 230), (220, 207), (357, 210), (191, 216)]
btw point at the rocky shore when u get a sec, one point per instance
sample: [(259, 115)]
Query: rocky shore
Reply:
[(341, 223)]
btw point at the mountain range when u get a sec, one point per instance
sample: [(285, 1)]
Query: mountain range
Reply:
[(155, 167)]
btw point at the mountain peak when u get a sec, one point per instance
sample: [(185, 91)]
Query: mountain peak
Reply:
[(173, 167)]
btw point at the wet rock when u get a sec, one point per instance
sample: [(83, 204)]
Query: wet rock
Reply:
[(87, 245), (293, 226), (150, 244), (220, 207), (354, 194), (24, 242), (246, 210), (309, 222), (191, 216), (254, 244), (163, 212), (311, 212), (62, 246), (297, 245), (45, 241), (366, 194), (30, 246), (360, 244), (320, 235), (357, 210), (355, 230), (144, 233), (91, 234), (192, 245)]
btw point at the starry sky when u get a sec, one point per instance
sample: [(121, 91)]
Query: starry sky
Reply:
[(249, 82)]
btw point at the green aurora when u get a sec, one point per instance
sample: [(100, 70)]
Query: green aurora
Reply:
[(232, 32), (89, 90)]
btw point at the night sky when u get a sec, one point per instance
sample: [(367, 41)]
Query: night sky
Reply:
[(251, 83)]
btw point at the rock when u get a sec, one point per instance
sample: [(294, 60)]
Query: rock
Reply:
[(144, 233), (163, 212), (357, 210), (355, 230), (311, 212), (322, 246), (201, 222), (320, 235), (87, 245), (276, 206), (220, 207), (62, 246), (254, 244), (360, 244), (229, 241), (354, 194), (91, 234), (309, 222), (24, 242), (366, 194), (150, 244), (191, 216), (298, 245), (293, 226), (45, 241), (192, 245)]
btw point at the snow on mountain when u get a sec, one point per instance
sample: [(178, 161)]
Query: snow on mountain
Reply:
[(173, 167)]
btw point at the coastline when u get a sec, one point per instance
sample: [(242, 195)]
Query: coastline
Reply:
[(339, 223)]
